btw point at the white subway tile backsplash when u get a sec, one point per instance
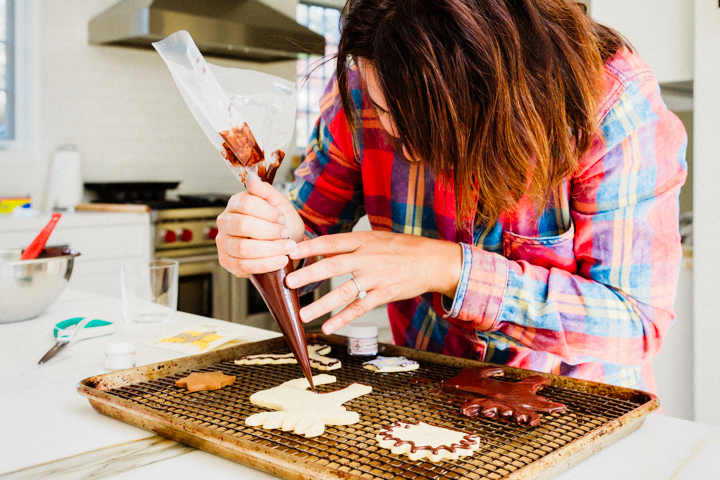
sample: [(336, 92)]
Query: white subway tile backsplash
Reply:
[(120, 107)]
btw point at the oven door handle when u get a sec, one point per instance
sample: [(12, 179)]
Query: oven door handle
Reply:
[(212, 257)]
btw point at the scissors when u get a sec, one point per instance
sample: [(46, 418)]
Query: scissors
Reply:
[(74, 329)]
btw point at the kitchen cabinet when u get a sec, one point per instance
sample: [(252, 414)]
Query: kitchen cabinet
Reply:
[(662, 31), (104, 240), (673, 366)]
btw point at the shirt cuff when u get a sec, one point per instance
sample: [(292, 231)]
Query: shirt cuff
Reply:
[(453, 310)]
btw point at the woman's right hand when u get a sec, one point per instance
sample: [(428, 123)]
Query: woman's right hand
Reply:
[(257, 230)]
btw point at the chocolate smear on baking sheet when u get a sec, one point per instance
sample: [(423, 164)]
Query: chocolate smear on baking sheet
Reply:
[(241, 148), (491, 398)]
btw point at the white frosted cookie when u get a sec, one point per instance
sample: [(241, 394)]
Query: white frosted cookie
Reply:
[(303, 411), (315, 352), (425, 441), (391, 364)]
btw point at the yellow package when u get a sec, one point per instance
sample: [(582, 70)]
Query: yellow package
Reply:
[(8, 204)]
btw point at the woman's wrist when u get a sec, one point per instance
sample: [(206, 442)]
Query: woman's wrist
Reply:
[(448, 266)]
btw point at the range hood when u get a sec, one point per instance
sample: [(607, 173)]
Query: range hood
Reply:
[(243, 29)]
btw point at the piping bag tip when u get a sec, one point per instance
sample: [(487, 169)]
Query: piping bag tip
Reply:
[(284, 305)]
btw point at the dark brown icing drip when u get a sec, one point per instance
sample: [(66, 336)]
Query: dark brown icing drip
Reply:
[(284, 305), (468, 440), (516, 400)]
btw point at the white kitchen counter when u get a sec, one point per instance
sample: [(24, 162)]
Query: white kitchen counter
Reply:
[(44, 421)]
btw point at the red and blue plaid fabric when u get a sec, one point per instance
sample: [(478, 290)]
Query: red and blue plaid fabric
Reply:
[(586, 291)]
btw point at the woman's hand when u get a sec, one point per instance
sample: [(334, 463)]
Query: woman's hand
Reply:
[(388, 266), (257, 230)]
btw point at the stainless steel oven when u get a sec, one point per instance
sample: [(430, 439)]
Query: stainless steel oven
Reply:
[(184, 230), (188, 236), (205, 288)]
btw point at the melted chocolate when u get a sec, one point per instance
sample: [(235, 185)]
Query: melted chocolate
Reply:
[(241, 149), (497, 399)]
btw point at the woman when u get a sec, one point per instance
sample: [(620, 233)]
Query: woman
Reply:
[(521, 174)]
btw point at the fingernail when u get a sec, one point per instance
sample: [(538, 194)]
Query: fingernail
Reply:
[(291, 280), (281, 220), (295, 253), (281, 261), (285, 233), (252, 176), (291, 246), (306, 314), (327, 330)]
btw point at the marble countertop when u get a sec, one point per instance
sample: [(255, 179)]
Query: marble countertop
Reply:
[(49, 431)]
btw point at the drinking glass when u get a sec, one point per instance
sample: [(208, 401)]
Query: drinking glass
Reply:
[(149, 290)]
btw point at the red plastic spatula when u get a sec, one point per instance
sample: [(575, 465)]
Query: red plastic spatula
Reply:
[(38, 244)]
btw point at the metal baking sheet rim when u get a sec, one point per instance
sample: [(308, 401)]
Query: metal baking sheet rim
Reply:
[(286, 466)]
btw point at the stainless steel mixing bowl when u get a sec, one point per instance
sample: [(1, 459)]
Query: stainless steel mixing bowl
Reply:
[(29, 287)]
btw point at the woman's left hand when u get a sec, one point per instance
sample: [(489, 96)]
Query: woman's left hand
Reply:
[(388, 266)]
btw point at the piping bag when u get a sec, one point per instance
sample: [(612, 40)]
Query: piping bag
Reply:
[(245, 114)]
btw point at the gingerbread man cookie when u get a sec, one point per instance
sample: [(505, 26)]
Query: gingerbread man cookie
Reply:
[(315, 352), (302, 411), (425, 441), (205, 381)]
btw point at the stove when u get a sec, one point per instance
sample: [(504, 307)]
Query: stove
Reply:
[(184, 229)]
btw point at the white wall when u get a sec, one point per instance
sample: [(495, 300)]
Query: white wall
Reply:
[(660, 30), (705, 209), (119, 105)]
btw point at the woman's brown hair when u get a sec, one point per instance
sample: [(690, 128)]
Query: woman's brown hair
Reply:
[(498, 95)]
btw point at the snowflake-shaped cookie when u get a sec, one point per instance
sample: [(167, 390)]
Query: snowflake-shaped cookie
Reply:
[(425, 441)]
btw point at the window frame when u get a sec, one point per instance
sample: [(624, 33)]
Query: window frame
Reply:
[(25, 80), (302, 79), (10, 40)]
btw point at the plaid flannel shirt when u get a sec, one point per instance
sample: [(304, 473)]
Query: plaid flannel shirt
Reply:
[(586, 291)]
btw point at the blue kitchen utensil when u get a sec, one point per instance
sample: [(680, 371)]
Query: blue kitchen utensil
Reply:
[(74, 329)]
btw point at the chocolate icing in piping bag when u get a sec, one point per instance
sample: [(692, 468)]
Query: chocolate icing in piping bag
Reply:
[(244, 114)]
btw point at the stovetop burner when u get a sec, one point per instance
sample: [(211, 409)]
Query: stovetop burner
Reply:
[(153, 194)]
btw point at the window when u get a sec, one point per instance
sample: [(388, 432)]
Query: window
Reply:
[(7, 103), (324, 21)]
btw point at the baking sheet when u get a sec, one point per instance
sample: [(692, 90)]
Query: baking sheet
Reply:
[(597, 415)]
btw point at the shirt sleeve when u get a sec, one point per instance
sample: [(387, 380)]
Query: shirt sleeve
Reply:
[(617, 304), (327, 192)]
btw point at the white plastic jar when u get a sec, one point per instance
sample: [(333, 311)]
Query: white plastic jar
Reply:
[(119, 355), (362, 338)]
